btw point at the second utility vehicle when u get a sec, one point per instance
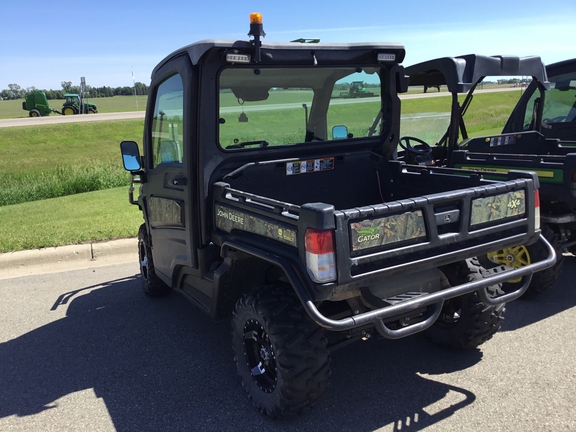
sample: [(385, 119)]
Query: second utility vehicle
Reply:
[(539, 136)]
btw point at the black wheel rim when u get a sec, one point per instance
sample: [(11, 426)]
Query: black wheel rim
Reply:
[(143, 262), (260, 356), (451, 314)]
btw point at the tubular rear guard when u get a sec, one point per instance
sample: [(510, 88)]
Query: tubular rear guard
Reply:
[(302, 286)]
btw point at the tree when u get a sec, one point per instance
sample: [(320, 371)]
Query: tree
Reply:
[(141, 88), (15, 91), (66, 86)]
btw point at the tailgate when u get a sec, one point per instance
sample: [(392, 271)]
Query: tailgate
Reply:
[(433, 230)]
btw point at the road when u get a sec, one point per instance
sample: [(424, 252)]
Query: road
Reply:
[(54, 119), (36, 121), (86, 350)]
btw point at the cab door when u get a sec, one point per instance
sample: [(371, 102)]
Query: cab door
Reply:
[(167, 192)]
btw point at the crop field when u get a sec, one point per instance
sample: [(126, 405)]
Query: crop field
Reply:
[(65, 175)]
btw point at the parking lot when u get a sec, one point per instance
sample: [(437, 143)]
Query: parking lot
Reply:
[(87, 350)]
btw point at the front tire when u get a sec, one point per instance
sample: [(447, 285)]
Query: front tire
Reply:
[(151, 283), (465, 321), (280, 353)]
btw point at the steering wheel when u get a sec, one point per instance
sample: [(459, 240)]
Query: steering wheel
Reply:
[(406, 143)]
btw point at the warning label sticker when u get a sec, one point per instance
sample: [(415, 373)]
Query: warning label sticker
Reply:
[(309, 166)]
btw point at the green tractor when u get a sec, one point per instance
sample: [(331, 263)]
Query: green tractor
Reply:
[(357, 90), (74, 104), (37, 105)]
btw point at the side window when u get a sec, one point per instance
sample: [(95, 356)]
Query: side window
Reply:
[(560, 105), (167, 124)]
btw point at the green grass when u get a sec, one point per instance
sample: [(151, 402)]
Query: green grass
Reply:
[(20, 188), (54, 160), (13, 108), (39, 162), (81, 218), (487, 115)]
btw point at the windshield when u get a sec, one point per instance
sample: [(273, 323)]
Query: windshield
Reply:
[(261, 107)]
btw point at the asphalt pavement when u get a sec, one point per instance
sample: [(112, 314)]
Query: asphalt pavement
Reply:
[(86, 350)]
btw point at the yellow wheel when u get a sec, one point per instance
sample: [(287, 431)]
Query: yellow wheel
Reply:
[(68, 111), (520, 256), (515, 257)]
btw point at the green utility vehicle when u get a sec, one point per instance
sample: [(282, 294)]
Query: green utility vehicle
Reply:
[(37, 105), (540, 136), (268, 202)]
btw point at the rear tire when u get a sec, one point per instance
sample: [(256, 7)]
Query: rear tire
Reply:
[(465, 321), (544, 279), (280, 353), (520, 256), (34, 113), (151, 283)]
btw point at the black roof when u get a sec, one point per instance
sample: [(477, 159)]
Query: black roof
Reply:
[(462, 72), (196, 50), (561, 67)]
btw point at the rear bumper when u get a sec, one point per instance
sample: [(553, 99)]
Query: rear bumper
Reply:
[(377, 317)]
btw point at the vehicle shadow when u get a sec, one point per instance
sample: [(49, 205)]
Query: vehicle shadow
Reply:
[(558, 298), (160, 364)]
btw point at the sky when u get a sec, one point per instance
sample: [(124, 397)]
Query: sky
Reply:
[(46, 42)]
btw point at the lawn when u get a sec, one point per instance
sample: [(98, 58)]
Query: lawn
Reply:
[(80, 218), (48, 162), (39, 162)]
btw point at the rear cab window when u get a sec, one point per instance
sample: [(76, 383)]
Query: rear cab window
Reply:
[(267, 107)]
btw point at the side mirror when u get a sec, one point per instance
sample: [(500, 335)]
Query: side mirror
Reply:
[(130, 156), (339, 132)]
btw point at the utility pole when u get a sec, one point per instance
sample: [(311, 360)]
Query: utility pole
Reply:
[(134, 83)]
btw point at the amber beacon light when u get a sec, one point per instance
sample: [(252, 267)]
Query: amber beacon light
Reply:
[(256, 31), (256, 27)]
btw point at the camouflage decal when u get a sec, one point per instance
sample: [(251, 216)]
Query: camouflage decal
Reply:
[(498, 207), (371, 233), (309, 166), (228, 220), (165, 212)]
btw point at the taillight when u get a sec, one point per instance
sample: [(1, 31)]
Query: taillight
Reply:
[(573, 176), (536, 209), (320, 255)]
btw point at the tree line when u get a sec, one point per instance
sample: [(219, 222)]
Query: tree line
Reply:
[(14, 91)]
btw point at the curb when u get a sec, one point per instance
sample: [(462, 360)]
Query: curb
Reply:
[(78, 256)]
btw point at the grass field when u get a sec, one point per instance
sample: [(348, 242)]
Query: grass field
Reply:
[(80, 218), (45, 163), (39, 162), (13, 108)]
